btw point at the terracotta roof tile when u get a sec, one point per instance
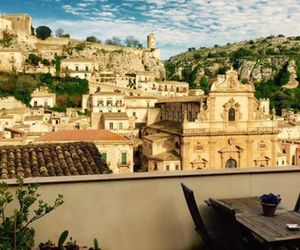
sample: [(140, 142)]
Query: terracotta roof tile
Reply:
[(115, 116), (182, 99), (42, 160), (81, 135)]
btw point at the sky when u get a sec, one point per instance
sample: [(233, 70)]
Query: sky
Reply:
[(178, 24)]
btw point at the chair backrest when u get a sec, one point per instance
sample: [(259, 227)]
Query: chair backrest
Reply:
[(297, 206), (225, 217), (192, 205)]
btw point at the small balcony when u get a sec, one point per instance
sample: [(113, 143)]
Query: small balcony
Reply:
[(123, 164)]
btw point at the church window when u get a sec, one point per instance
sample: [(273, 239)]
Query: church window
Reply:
[(231, 114), (231, 163)]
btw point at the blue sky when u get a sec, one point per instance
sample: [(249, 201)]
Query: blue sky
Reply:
[(178, 24)]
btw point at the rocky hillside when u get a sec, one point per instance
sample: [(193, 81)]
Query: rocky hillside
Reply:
[(258, 60), (118, 59), (272, 64)]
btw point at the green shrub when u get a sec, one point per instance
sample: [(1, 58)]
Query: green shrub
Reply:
[(15, 230), (33, 59)]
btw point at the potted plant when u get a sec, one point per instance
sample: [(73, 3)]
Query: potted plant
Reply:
[(269, 203)]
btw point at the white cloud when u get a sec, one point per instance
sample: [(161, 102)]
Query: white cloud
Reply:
[(181, 24)]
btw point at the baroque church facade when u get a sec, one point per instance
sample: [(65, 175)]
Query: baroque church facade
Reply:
[(229, 128)]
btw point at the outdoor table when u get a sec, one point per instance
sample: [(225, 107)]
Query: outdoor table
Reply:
[(272, 230)]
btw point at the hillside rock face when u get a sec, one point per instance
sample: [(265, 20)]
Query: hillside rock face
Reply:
[(258, 60), (117, 59), (261, 70), (122, 60)]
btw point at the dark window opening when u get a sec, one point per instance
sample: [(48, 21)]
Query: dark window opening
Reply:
[(231, 114)]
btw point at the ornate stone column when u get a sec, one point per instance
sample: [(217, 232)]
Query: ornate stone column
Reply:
[(185, 154), (249, 153), (212, 154)]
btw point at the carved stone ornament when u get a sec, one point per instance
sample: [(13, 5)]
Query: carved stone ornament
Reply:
[(260, 115), (230, 83), (231, 104), (185, 119), (203, 113)]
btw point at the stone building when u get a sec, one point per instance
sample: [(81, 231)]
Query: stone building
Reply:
[(19, 23), (116, 151), (291, 150), (5, 24), (139, 107), (151, 45), (77, 67), (104, 102), (12, 60), (41, 97), (145, 82), (229, 128), (115, 121), (49, 51)]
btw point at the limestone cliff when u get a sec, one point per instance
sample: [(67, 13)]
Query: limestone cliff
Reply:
[(119, 59), (256, 60)]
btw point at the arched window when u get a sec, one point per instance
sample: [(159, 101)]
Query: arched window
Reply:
[(231, 163), (231, 114)]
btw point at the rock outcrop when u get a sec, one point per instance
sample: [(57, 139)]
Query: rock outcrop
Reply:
[(121, 60), (117, 59), (258, 60)]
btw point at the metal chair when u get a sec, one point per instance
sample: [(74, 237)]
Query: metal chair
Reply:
[(297, 206), (210, 238), (230, 233)]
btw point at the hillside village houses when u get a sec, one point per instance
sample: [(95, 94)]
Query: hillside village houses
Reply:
[(41, 97), (77, 67), (167, 125)]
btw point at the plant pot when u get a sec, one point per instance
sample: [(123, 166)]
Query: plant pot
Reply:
[(268, 209)]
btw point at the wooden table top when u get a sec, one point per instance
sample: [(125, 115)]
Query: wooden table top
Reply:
[(270, 229)]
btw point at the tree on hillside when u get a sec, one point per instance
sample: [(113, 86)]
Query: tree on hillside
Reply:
[(203, 84), (93, 39), (59, 32), (43, 32), (33, 60), (114, 41), (131, 41)]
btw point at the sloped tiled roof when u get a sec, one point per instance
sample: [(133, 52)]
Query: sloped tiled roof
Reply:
[(157, 137), (167, 126), (115, 116), (90, 135), (34, 118), (167, 156), (41, 160)]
